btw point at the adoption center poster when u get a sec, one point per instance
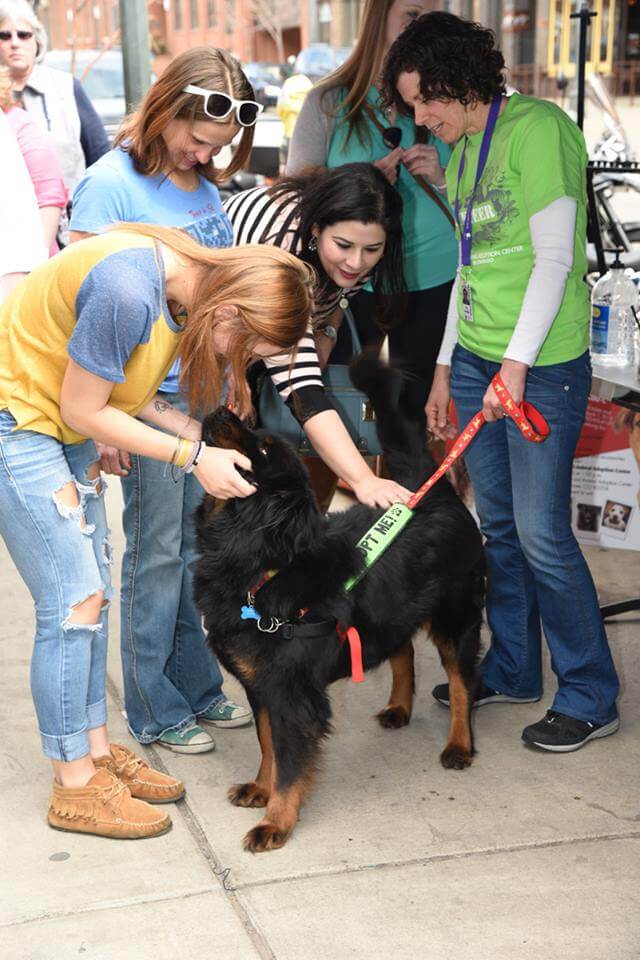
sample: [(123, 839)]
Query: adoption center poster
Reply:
[(605, 489)]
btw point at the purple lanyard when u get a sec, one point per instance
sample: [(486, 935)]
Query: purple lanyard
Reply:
[(465, 230)]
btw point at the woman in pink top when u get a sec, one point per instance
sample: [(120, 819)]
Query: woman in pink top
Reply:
[(41, 161)]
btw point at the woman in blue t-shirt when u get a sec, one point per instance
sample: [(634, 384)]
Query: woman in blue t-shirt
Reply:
[(161, 172)]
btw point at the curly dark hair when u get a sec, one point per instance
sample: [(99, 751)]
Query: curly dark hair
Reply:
[(456, 60)]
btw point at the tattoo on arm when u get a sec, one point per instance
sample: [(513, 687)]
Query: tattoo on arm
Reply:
[(161, 406)]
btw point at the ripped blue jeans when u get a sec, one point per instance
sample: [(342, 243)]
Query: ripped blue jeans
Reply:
[(62, 553)]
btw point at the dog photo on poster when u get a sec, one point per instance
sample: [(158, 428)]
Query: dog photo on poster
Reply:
[(605, 489)]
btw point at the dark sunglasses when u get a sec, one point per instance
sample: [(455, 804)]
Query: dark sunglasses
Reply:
[(391, 137), (220, 105), (20, 34)]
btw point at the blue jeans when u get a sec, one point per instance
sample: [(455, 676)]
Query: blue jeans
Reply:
[(536, 570), (170, 675), (63, 555)]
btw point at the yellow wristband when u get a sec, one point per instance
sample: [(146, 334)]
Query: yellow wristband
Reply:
[(184, 452)]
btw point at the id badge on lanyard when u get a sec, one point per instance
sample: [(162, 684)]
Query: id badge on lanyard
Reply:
[(466, 296), (465, 229)]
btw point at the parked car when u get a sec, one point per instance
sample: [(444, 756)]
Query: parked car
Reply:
[(315, 62), (102, 76), (319, 60), (266, 80)]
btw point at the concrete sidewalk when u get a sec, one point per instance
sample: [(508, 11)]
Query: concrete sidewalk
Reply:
[(526, 856)]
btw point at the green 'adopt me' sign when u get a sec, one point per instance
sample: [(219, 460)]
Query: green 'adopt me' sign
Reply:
[(378, 537)]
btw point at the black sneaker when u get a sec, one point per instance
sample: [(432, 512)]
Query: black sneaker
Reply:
[(483, 694), (562, 734)]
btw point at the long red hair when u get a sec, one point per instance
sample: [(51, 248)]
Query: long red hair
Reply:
[(272, 292)]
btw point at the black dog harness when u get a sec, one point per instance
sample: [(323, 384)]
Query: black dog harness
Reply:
[(305, 630)]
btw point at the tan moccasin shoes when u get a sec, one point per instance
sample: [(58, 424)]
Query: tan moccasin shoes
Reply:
[(143, 781), (104, 807)]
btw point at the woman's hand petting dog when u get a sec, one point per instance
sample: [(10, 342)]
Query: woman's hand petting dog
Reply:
[(380, 492), (217, 473)]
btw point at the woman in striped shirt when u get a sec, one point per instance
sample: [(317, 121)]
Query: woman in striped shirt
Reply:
[(346, 223)]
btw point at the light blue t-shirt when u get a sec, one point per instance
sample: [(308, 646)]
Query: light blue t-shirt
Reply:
[(112, 190), (430, 247)]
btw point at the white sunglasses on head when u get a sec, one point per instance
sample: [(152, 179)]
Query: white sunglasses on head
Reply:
[(220, 105)]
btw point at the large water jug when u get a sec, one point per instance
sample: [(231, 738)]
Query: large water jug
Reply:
[(613, 301)]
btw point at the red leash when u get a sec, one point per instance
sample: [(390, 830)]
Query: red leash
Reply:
[(532, 426), (529, 421)]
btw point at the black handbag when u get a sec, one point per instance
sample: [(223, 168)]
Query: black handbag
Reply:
[(353, 406)]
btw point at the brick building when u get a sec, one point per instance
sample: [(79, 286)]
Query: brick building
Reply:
[(538, 37), (177, 25)]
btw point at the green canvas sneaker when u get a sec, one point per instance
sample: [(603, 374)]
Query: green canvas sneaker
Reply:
[(226, 713), (191, 739)]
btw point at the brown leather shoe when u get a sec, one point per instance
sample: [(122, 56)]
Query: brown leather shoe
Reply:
[(143, 781), (106, 808)]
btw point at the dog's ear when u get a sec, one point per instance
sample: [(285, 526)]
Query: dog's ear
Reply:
[(308, 523), (223, 428), (289, 524), (624, 418)]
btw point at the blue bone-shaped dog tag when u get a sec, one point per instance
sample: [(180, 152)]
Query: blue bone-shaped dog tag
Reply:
[(249, 613)]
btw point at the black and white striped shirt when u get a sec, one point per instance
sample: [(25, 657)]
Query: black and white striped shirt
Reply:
[(257, 217)]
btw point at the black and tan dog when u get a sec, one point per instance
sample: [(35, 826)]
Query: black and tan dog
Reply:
[(431, 576)]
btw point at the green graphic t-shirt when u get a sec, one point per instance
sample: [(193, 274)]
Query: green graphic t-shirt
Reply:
[(537, 155)]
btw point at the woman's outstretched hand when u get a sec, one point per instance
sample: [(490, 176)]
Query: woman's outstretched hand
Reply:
[(380, 492), (217, 473)]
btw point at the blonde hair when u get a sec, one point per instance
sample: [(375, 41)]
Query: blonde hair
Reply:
[(271, 291), (363, 66), (208, 67)]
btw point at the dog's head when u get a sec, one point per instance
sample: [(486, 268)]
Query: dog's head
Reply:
[(629, 420), (282, 516), (615, 516), (588, 517)]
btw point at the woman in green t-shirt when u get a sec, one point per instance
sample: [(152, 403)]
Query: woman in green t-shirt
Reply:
[(520, 307)]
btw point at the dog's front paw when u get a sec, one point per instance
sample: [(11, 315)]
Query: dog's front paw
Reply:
[(393, 717), (455, 757), (266, 836), (248, 795)]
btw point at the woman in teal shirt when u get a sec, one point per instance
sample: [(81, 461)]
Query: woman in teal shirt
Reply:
[(342, 122)]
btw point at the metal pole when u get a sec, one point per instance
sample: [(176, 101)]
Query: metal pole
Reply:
[(134, 29), (584, 15)]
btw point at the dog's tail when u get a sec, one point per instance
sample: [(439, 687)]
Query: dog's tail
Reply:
[(402, 437)]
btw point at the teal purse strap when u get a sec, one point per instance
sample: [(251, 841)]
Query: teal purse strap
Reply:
[(355, 339)]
